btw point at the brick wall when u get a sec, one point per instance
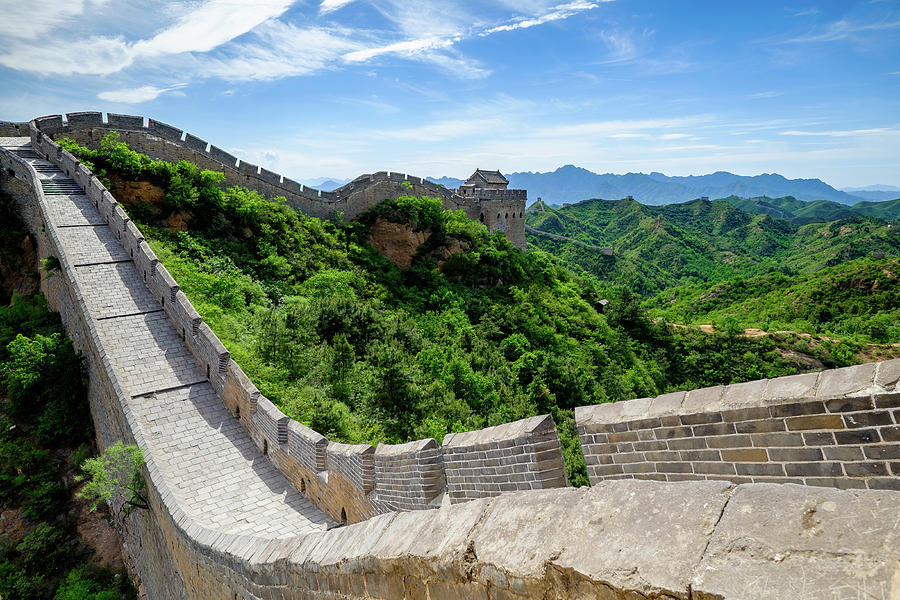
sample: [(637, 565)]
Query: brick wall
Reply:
[(523, 455), (410, 476), (838, 428)]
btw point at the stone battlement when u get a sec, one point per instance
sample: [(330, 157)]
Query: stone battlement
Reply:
[(838, 428), (161, 140)]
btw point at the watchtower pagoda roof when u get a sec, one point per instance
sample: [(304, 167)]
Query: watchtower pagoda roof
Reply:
[(481, 176)]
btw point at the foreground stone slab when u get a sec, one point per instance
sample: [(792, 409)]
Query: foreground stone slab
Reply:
[(803, 543), (637, 537)]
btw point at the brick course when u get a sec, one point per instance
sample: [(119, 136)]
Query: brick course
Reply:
[(836, 428)]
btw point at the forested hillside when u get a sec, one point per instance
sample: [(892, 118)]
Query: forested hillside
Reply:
[(659, 247), (792, 209), (473, 333)]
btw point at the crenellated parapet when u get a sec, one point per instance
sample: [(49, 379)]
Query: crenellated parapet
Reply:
[(161, 140)]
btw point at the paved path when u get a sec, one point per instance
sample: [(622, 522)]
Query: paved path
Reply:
[(209, 461)]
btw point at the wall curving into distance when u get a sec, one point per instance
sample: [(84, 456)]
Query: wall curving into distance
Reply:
[(246, 503), (502, 211)]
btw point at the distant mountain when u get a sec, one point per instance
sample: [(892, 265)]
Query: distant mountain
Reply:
[(447, 182), (325, 183), (872, 188), (570, 184), (877, 195)]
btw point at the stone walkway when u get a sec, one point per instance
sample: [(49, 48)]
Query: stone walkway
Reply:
[(209, 461)]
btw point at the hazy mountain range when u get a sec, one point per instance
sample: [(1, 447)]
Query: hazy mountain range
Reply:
[(570, 184)]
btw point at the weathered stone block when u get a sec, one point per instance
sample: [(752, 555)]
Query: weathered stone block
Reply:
[(849, 381), (115, 121), (83, 120), (164, 130), (800, 542)]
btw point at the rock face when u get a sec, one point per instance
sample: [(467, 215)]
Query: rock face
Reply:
[(398, 242), (17, 271), (131, 192)]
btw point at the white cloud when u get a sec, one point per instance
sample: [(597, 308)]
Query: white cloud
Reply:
[(846, 133), (443, 130), (211, 25), (674, 136), (842, 30), (328, 6), (208, 26), (137, 95), (28, 20), (769, 94), (278, 50), (618, 128), (563, 11), (406, 48), (94, 55)]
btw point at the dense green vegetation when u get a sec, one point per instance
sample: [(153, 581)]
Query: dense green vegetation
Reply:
[(859, 300), (818, 211), (660, 247), (361, 350)]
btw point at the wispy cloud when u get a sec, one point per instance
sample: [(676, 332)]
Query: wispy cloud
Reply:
[(674, 136), (212, 24), (563, 11), (612, 129), (91, 56), (278, 50), (247, 41), (328, 6), (620, 45), (406, 48), (843, 30), (137, 95), (28, 20), (202, 29), (769, 94), (806, 12), (844, 133)]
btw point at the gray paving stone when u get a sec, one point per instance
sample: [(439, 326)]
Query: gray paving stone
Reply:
[(206, 457), (87, 245), (148, 353), (115, 290), (73, 210)]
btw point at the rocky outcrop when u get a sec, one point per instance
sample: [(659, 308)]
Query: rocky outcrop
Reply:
[(18, 269), (397, 242), (400, 242)]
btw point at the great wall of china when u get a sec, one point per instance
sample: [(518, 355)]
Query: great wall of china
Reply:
[(499, 210), (246, 503)]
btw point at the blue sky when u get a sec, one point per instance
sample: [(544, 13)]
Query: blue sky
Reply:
[(337, 88)]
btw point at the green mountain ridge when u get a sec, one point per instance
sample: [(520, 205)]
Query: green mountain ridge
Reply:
[(790, 208), (659, 247)]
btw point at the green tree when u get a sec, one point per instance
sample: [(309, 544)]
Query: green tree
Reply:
[(116, 476)]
